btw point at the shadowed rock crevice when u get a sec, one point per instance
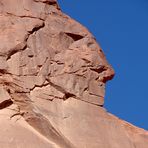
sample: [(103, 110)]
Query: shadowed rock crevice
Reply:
[(75, 37), (49, 2), (5, 104), (36, 28), (23, 16), (22, 46)]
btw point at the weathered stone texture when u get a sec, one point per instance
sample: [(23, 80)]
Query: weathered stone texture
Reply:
[(52, 82)]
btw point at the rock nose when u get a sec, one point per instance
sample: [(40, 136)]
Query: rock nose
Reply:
[(108, 74), (107, 71)]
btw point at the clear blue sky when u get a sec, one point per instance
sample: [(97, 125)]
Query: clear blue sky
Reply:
[(121, 27)]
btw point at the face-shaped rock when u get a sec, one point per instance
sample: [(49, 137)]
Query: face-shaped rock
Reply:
[(44, 47), (53, 74), (47, 63)]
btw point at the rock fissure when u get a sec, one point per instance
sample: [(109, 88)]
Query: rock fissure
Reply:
[(38, 121), (23, 16), (5, 104), (75, 37), (35, 29), (22, 46), (49, 2), (68, 95), (39, 86)]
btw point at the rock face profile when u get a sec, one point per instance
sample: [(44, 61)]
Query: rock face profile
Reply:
[(52, 83)]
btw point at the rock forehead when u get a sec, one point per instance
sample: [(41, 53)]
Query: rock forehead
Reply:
[(52, 80)]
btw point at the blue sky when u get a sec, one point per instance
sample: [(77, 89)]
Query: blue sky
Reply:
[(121, 27)]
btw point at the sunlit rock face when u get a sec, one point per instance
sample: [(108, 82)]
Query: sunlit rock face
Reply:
[(52, 82)]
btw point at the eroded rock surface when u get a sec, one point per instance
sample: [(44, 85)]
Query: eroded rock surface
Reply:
[(52, 82)]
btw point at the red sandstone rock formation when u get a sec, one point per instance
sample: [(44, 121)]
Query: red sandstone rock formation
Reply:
[(52, 83)]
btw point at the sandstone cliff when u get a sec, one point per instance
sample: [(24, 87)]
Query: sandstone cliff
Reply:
[(52, 83)]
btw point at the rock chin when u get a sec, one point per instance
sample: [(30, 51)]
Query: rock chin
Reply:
[(52, 82)]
